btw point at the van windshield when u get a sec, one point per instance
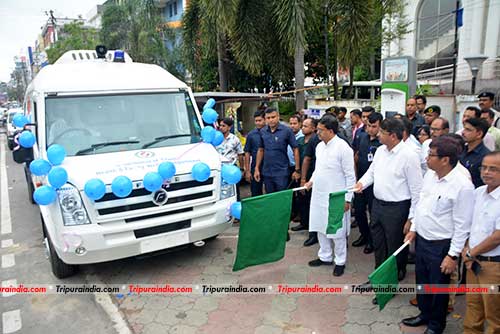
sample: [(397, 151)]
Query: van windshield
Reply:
[(112, 123)]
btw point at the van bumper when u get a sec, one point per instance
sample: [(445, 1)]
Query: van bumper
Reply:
[(117, 240)]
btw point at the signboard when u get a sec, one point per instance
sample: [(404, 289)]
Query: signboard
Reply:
[(396, 70)]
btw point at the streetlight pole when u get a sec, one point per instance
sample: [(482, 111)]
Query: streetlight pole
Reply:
[(475, 63)]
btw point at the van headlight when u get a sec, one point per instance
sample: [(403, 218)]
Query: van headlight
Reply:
[(72, 209), (226, 190)]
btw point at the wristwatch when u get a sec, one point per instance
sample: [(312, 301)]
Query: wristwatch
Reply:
[(454, 257), (467, 254), (297, 171)]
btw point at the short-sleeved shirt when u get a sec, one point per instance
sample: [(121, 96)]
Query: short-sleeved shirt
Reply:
[(486, 218), (230, 148), (366, 151), (275, 150), (310, 151), (252, 146), (472, 161)]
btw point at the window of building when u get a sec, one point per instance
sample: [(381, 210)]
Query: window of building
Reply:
[(175, 7), (170, 10), (435, 33)]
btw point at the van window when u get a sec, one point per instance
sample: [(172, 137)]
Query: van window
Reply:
[(78, 122)]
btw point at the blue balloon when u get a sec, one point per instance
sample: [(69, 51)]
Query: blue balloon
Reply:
[(40, 167), (166, 170), (58, 177), (26, 139), (20, 120), (231, 174), (209, 115), (201, 172), (152, 181), (210, 103), (56, 154), (236, 210), (94, 189), (218, 138), (44, 195), (208, 134), (121, 186)]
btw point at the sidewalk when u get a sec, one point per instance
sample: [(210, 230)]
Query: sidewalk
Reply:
[(267, 313)]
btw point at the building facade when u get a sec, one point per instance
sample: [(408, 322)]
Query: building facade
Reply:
[(431, 42)]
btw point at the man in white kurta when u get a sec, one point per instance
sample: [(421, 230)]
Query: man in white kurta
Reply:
[(334, 172)]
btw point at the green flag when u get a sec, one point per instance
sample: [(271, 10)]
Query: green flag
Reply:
[(263, 229), (385, 279), (335, 212)]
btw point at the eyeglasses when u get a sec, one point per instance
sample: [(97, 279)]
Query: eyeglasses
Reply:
[(492, 169)]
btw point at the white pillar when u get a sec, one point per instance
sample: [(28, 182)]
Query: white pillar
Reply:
[(491, 40)]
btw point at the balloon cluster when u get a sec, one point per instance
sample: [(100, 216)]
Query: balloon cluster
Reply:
[(209, 134), (26, 138), (57, 176)]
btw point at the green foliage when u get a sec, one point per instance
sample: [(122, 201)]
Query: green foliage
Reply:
[(73, 36), (425, 89), (286, 107), (136, 26)]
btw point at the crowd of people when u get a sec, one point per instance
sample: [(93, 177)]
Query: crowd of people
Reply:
[(410, 179)]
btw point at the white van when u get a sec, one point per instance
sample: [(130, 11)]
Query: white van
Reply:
[(115, 117)]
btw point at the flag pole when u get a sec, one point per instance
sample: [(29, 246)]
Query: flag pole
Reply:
[(401, 248)]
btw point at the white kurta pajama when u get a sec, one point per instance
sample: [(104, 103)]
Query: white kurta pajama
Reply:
[(334, 172)]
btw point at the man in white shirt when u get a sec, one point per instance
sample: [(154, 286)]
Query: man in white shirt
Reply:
[(440, 228), (413, 143), (397, 180), (482, 254), (334, 172)]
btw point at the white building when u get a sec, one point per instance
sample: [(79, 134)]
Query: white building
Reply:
[(431, 42)]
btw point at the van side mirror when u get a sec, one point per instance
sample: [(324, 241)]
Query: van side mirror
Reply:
[(22, 155)]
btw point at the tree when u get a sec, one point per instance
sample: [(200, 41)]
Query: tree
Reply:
[(73, 36)]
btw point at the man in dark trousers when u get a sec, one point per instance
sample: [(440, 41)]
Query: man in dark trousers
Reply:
[(251, 147), (367, 145), (397, 180), (440, 228)]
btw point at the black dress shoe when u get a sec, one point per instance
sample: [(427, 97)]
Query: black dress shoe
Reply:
[(368, 249), (361, 241), (298, 228), (414, 321), (311, 241), (338, 270), (401, 275), (318, 262)]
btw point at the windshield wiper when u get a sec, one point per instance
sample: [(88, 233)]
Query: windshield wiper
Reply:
[(162, 138), (97, 146)]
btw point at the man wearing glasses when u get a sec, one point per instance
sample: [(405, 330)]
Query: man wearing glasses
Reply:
[(440, 229), (482, 253)]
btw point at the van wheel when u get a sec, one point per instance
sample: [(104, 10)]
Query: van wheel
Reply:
[(212, 238), (59, 268), (29, 183)]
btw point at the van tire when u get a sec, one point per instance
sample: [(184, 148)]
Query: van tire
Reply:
[(59, 268), (29, 184)]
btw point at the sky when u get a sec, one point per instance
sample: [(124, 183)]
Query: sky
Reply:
[(21, 22)]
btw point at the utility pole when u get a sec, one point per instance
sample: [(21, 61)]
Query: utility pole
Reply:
[(327, 58), (53, 22), (455, 49)]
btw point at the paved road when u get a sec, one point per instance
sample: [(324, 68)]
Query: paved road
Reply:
[(195, 313)]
